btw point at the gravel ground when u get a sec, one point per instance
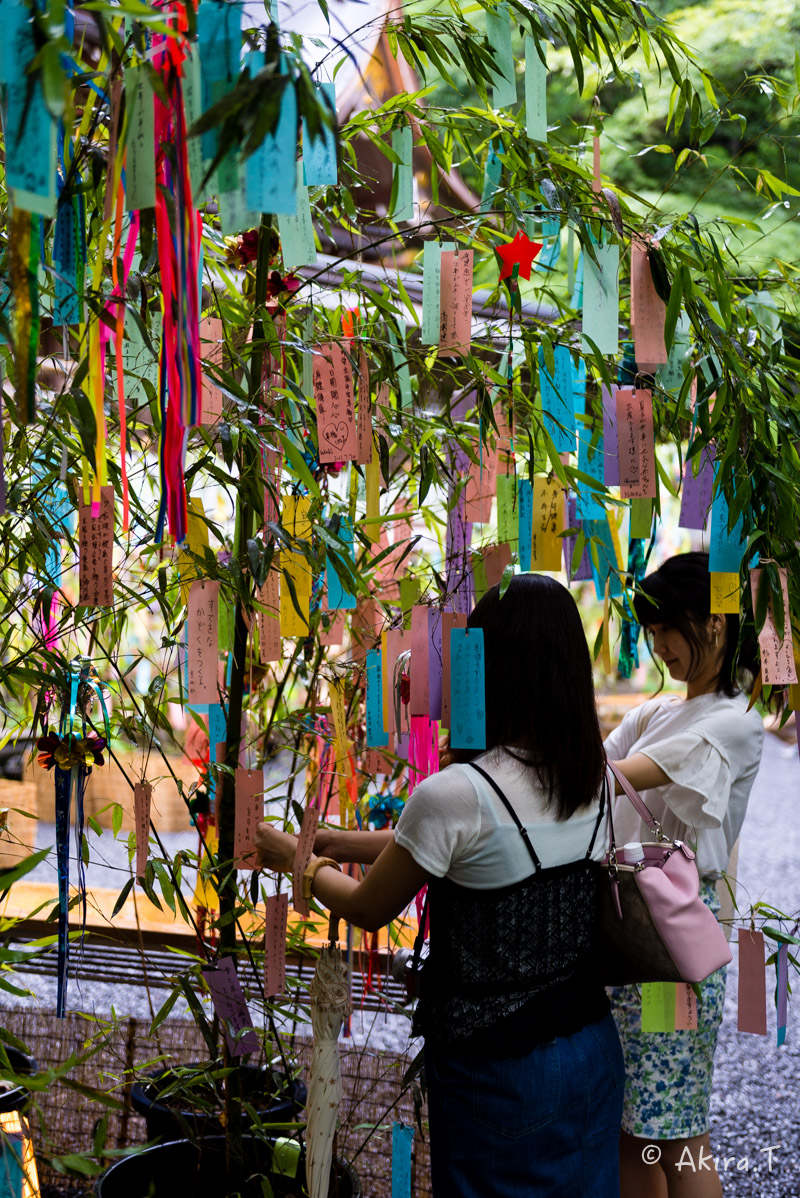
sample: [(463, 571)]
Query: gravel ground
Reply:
[(756, 1085)]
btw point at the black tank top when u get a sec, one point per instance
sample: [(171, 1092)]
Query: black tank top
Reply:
[(512, 968)]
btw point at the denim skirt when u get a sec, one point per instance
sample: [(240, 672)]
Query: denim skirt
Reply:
[(546, 1123)]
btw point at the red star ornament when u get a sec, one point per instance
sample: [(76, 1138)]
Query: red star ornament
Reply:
[(521, 251)]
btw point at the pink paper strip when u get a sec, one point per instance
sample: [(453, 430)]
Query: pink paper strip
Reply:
[(277, 917), (203, 637), (637, 463), (211, 343), (421, 619), (305, 847), (249, 814), (685, 1008), (610, 438), (455, 328), (336, 416), (752, 983), (648, 313), (142, 793), (450, 620), (777, 656)]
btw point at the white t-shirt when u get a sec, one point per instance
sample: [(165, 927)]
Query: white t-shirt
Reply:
[(455, 826), (710, 747)]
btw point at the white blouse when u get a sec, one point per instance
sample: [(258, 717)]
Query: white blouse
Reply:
[(455, 826), (710, 748)]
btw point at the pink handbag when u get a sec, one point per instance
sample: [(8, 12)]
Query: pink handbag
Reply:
[(654, 925)]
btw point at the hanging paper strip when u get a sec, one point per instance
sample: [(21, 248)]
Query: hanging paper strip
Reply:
[(637, 453), (140, 154), (776, 649), (498, 34), (270, 174), (467, 689), (535, 90), (492, 176), (23, 236), (726, 545), (600, 312), (648, 314), (178, 247), (558, 404), (333, 393), (96, 549), (63, 802), (30, 130), (403, 184), (319, 154), (696, 491), (402, 1145), (455, 301)]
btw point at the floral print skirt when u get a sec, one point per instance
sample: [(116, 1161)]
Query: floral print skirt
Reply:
[(668, 1074)]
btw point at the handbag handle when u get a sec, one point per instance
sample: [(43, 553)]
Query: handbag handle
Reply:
[(641, 807)]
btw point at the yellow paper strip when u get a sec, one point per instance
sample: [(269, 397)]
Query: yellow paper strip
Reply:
[(295, 568), (725, 594)]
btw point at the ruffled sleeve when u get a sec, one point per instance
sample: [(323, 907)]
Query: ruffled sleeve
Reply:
[(700, 774)]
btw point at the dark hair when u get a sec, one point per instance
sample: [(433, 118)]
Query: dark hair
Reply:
[(539, 689), (678, 594)]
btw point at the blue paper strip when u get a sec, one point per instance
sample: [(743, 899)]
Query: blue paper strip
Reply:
[(467, 689), (525, 517), (558, 405), (607, 563), (219, 39), (270, 174), (319, 154), (402, 1144), (29, 127), (338, 597), (591, 461), (782, 990), (726, 548), (377, 738)]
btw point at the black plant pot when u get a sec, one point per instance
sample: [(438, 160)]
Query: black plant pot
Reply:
[(174, 1119), (201, 1171), (16, 1098)]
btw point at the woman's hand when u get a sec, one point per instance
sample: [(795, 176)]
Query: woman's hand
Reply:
[(276, 849)]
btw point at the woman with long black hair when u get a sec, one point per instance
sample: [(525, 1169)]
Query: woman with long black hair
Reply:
[(693, 760), (522, 1058)]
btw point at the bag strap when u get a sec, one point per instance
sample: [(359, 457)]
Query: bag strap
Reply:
[(420, 938), (604, 798), (537, 865), (641, 807)]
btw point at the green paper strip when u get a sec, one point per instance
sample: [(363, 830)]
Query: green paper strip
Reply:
[(140, 166), (658, 1007), (535, 93), (297, 232), (403, 146), (641, 518), (431, 290), (498, 33), (507, 516)]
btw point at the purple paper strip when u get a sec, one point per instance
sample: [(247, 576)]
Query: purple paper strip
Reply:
[(696, 493), (435, 663), (610, 437), (783, 990), (231, 1006), (459, 575), (584, 571), (2, 459)]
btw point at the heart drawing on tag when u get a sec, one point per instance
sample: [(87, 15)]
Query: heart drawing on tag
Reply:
[(336, 434)]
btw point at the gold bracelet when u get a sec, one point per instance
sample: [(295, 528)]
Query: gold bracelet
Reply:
[(311, 869)]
